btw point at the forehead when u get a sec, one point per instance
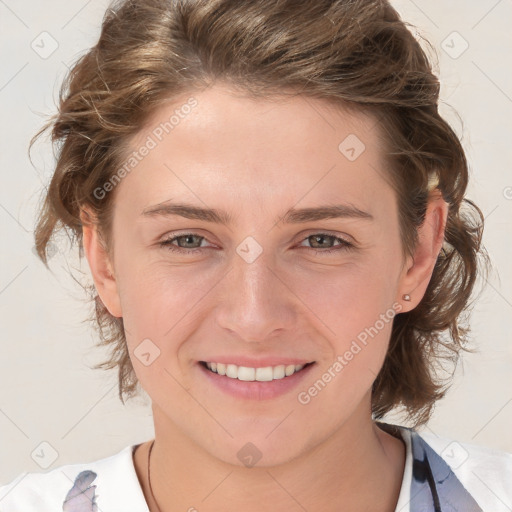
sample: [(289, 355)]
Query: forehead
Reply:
[(217, 145)]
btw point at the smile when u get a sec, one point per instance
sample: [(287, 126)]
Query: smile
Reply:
[(247, 374)]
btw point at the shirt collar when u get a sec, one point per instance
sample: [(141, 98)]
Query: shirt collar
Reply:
[(434, 484), (434, 487)]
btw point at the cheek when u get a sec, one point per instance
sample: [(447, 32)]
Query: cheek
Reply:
[(157, 301), (354, 307), (157, 315), (351, 297), (165, 304), (355, 314)]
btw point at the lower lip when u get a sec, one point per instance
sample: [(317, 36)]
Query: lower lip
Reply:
[(255, 390)]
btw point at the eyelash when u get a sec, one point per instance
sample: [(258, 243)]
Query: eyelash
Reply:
[(167, 244)]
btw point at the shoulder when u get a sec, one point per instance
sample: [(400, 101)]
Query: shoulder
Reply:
[(111, 483), (486, 473)]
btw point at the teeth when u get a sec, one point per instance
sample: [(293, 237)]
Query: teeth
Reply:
[(279, 372), (265, 374), (232, 371), (289, 370), (244, 373)]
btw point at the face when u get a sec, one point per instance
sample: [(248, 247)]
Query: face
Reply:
[(267, 285)]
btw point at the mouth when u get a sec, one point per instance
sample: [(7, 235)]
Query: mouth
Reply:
[(251, 374)]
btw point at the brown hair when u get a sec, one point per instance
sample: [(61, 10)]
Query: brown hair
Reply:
[(357, 54)]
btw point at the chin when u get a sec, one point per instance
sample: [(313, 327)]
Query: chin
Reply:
[(259, 447)]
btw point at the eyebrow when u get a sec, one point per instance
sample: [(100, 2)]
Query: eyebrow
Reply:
[(292, 216)]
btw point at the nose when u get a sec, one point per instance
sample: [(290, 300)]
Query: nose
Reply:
[(256, 301)]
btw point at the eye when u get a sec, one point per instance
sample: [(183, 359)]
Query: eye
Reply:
[(186, 240), (188, 237), (319, 238)]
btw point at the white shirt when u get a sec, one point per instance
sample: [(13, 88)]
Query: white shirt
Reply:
[(465, 478)]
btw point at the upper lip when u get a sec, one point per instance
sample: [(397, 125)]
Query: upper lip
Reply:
[(261, 362)]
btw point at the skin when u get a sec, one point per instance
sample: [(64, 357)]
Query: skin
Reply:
[(256, 159)]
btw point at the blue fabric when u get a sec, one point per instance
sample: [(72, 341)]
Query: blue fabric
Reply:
[(434, 486), (82, 496)]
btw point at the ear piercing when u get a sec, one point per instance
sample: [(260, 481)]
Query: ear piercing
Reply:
[(406, 297)]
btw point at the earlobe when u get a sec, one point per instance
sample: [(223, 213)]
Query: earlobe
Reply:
[(100, 265), (419, 271)]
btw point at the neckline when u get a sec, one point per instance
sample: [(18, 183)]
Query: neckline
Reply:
[(399, 432)]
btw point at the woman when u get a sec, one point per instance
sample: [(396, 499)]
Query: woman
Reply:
[(273, 213)]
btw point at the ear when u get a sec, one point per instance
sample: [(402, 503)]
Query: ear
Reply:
[(419, 267), (100, 264)]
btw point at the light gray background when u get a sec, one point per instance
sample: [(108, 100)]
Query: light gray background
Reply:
[(49, 394)]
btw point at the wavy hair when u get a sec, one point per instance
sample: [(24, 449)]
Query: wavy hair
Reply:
[(357, 54)]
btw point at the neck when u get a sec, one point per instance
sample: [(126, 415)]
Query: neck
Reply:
[(360, 466)]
